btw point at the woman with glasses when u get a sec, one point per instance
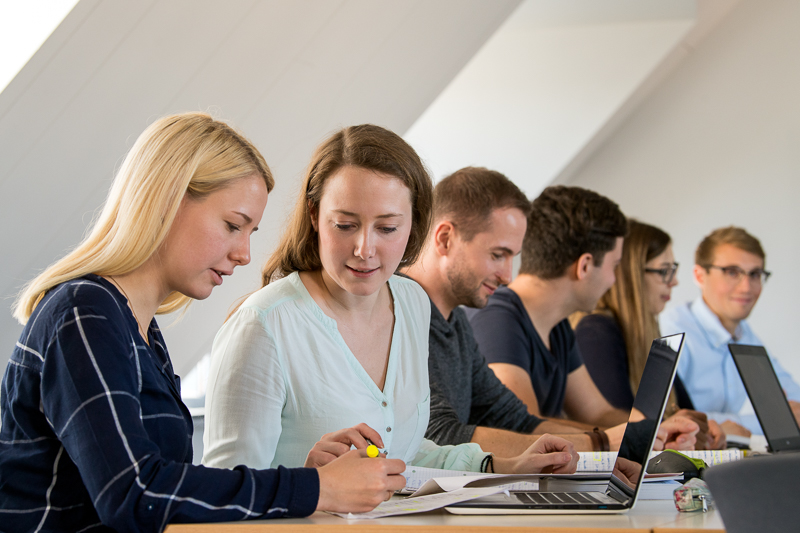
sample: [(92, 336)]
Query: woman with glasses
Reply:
[(615, 338)]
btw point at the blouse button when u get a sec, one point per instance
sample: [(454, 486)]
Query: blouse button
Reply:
[(388, 430), (150, 507), (384, 404)]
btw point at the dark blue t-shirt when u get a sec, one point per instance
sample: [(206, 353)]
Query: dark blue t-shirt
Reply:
[(505, 334)]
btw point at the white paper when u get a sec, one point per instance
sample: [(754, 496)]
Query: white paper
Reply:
[(421, 481), (604, 461), (421, 504)]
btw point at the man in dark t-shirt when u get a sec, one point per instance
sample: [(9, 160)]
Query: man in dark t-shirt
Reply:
[(571, 248)]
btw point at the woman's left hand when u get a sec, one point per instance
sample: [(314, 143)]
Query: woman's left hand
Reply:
[(548, 454), (338, 443)]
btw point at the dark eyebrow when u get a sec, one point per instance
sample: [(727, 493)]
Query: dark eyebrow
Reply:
[(505, 250), (350, 214)]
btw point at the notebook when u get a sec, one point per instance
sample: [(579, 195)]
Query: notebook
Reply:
[(766, 395), (619, 496)]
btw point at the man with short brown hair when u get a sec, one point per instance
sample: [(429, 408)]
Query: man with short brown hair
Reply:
[(729, 269)]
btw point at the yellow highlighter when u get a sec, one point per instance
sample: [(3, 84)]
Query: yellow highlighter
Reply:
[(372, 451)]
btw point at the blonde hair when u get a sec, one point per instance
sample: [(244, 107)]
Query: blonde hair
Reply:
[(187, 154), (365, 146)]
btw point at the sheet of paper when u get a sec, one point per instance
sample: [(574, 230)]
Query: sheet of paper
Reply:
[(416, 476), (421, 504), (421, 481)]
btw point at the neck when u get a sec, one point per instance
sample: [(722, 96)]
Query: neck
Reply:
[(341, 302), (547, 302), (431, 278), (727, 323), (144, 291)]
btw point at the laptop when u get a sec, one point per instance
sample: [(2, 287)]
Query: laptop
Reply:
[(637, 441), (766, 395)]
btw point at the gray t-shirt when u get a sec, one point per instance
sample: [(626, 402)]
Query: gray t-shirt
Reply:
[(465, 393)]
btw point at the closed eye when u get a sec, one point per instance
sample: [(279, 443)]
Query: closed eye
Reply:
[(233, 227), (388, 229)]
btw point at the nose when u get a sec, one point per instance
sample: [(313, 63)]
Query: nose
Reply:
[(241, 252), (504, 276), (365, 247)]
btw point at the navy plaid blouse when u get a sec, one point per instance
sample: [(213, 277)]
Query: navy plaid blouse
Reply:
[(95, 436)]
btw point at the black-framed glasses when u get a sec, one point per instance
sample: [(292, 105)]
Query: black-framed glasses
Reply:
[(667, 273), (734, 274)]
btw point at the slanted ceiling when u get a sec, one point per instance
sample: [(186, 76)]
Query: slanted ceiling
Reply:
[(285, 72)]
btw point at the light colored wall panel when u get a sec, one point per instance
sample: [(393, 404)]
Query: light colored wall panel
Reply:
[(717, 144)]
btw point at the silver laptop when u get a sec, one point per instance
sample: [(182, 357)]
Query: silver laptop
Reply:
[(766, 395), (619, 496)]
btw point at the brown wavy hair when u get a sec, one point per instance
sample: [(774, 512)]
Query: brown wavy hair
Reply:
[(365, 146)]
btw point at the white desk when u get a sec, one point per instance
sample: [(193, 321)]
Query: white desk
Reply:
[(649, 516)]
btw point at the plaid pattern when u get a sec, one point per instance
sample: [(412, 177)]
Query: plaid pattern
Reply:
[(94, 434)]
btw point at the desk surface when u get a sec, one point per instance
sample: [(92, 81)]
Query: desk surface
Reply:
[(657, 516)]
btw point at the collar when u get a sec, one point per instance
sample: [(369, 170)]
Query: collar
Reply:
[(712, 326)]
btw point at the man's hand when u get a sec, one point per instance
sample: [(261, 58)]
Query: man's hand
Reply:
[(338, 443), (732, 428), (549, 454), (795, 410), (701, 438), (717, 439), (676, 433), (355, 483)]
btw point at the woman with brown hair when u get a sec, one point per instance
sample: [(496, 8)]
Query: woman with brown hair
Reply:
[(94, 434), (334, 339), (615, 338)]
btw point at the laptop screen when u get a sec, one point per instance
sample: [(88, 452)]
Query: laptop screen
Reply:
[(766, 395), (650, 400)]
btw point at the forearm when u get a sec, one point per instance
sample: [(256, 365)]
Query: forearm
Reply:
[(510, 444), (607, 419)]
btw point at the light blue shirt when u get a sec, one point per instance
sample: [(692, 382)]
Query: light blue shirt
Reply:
[(707, 368), (281, 376)]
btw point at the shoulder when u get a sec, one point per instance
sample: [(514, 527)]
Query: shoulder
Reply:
[(678, 318), (410, 294), (86, 296), (274, 295), (596, 323), (504, 308)]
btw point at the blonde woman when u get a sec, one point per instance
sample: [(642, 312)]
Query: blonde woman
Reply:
[(94, 433), (334, 338)]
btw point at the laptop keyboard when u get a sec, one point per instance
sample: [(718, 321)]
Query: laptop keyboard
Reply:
[(557, 498)]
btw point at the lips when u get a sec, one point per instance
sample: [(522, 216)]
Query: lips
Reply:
[(217, 275), (362, 272), (490, 288)]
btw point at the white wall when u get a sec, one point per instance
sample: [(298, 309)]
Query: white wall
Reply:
[(543, 86), (718, 143)]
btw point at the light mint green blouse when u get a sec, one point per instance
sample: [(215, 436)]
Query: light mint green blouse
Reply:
[(281, 376)]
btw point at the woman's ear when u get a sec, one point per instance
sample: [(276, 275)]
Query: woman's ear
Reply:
[(314, 215)]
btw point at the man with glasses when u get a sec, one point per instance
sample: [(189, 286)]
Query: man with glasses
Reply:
[(729, 269)]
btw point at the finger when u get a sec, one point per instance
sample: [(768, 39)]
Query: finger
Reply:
[(394, 466), (369, 433), (539, 462), (336, 449)]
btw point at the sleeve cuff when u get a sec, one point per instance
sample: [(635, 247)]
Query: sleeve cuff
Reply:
[(305, 492)]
